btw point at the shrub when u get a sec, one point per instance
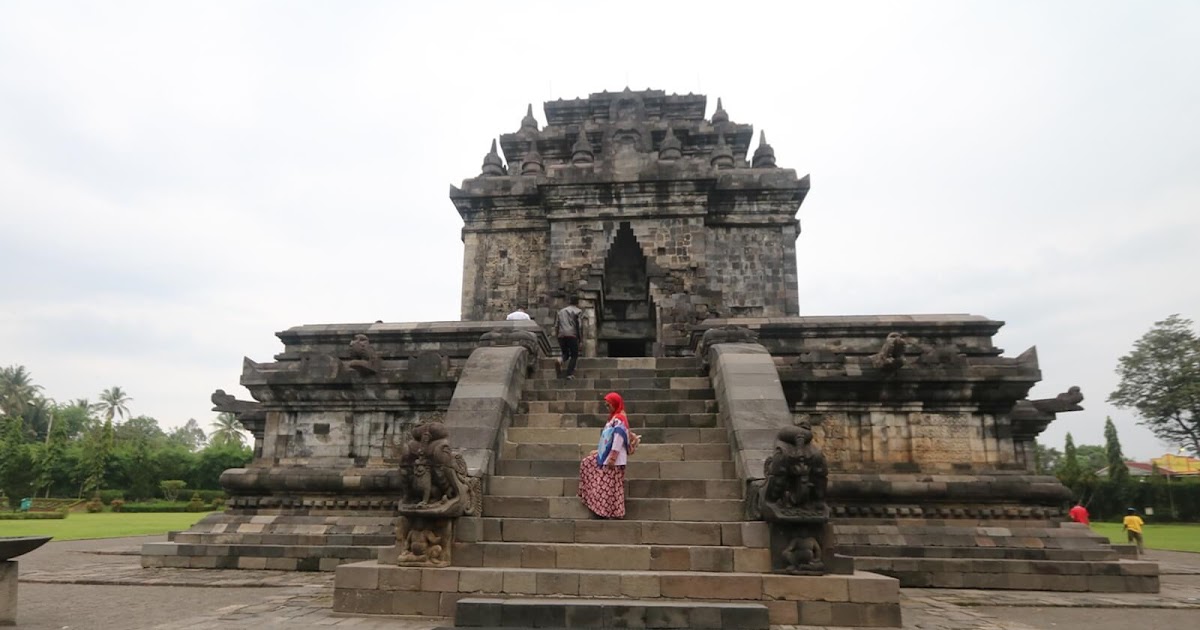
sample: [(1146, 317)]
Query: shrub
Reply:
[(94, 505), (155, 506), (116, 504), (171, 488), (31, 516), (53, 505), (107, 496), (218, 503), (196, 504), (208, 496)]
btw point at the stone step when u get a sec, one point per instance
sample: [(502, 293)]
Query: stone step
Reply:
[(1120, 576), (1015, 535), (644, 453), (548, 374), (703, 558), (333, 524), (620, 384), (1010, 553), (633, 397), (637, 509), (626, 363), (913, 523), (337, 540), (292, 557), (590, 435), (641, 408), (635, 469), (547, 612), (625, 531), (634, 488), (861, 599), (637, 421)]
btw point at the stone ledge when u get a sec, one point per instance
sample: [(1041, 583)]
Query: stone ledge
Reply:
[(591, 613), (1122, 576), (861, 587)]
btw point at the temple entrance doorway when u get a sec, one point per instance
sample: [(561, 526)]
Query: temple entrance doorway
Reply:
[(625, 326)]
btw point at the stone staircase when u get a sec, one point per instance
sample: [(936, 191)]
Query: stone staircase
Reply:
[(682, 557), (994, 554)]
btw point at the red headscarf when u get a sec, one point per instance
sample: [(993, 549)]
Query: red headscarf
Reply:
[(618, 408)]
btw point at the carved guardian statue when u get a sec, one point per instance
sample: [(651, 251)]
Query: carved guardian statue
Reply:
[(434, 478), (435, 489), (792, 501)]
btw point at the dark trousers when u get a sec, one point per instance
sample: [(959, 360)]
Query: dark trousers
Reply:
[(570, 354)]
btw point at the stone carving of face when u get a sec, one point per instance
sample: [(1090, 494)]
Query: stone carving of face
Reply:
[(804, 433)]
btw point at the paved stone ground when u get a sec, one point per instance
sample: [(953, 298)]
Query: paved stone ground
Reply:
[(98, 584)]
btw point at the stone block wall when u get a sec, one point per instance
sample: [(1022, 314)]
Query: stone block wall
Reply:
[(503, 270), (332, 437), (757, 270), (908, 437)]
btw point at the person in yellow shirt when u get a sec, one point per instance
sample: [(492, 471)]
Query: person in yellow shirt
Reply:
[(1133, 528)]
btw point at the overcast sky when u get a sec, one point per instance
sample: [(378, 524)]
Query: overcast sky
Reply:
[(179, 181)]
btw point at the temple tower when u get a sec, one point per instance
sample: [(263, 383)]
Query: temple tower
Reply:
[(656, 217)]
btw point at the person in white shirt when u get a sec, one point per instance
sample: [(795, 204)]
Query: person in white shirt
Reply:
[(518, 314)]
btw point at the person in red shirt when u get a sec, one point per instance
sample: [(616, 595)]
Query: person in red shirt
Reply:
[(1079, 514)]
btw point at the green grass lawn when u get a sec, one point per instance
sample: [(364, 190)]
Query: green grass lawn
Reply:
[(79, 526), (1170, 536)]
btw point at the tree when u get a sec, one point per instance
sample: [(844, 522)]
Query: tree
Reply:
[(76, 420), (97, 451), (50, 460), (1046, 459), (1117, 470), (215, 459), (1160, 378), (1069, 472), (16, 462), (227, 430), (112, 403), (1091, 457), (171, 488), (142, 429), (189, 436), (17, 391)]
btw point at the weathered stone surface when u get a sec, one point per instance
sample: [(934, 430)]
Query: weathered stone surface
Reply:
[(701, 232), (8, 592)]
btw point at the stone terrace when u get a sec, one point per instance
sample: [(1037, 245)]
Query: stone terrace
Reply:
[(683, 541)]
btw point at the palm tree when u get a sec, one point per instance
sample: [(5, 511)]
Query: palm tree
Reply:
[(17, 391), (112, 403), (227, 430)]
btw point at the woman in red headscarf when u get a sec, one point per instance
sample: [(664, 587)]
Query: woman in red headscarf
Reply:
[(602, 472)]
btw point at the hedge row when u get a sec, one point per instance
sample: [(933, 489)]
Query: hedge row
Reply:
[(107, 496), (31, 516), (1176, 500), (172, 506)]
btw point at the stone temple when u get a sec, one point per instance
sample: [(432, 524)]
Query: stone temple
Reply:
[(434, 465), (655, 216)]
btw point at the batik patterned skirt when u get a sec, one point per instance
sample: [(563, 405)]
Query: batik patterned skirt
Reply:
[(602, 489)]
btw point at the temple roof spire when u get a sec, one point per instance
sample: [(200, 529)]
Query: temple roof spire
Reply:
[(720, 116), (492, 164), (581, 151), (722, 155), (670, 149), (529, 122), (764, 155), (531, 164)]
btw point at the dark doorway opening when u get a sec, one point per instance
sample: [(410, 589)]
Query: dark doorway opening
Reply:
[(626, 318), (626, 348)]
